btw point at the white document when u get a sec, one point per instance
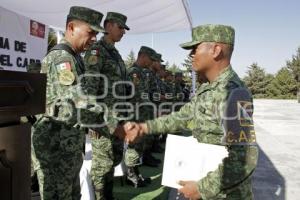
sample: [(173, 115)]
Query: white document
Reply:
[(188, 160)]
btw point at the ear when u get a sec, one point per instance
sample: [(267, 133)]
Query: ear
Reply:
[(70, 26), (217, 51)]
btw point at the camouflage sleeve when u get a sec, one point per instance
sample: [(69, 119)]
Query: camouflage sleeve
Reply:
[(174, 121), (237, 168), (102, 121)]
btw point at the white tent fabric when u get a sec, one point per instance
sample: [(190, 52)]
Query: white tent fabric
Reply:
[(144, 16)]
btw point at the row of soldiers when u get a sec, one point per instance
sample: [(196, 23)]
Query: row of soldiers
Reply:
[(58, 135)]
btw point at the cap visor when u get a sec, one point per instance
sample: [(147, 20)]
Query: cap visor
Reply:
[(98, 29), (189, 45), (126, 27)]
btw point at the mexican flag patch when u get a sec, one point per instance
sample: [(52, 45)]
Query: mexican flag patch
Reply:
[(64, 66)]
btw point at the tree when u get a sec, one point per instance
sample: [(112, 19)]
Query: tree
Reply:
[(283, 86), (130, 59), (167, 64), (187, 63), (257, 80), (174, 68), (294, 66)]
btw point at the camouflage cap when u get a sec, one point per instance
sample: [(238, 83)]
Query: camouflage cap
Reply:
[(92, 17), (210, 33), (150, 52), (117, 17)]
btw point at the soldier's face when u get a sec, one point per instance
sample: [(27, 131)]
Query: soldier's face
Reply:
[(148, 61), (201, 57), (156, 65), (84, 36), (115, 31)]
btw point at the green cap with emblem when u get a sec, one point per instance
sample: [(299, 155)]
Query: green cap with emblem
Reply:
[(119, 18), (210, 33), (90, 16), (150, 52)]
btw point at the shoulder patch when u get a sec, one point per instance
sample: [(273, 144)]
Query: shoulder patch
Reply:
[(92, 60), (63, 66), (135, 78), (66, 77)]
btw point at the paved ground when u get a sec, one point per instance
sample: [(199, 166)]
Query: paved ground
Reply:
[(277, 124)]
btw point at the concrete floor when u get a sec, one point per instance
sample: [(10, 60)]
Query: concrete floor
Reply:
[(277, 124)]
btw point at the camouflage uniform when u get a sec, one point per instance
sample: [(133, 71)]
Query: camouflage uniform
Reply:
[(208, 111), (57, 143), (103, 58), (141, 77)]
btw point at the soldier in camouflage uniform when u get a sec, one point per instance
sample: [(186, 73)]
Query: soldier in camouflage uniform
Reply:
[(221, 112), (56, 142), (104, 59), (150, 145), (140, 75)]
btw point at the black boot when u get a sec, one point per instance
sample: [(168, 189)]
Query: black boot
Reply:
[(133, 178)]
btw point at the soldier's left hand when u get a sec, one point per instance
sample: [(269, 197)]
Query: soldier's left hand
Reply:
[(189, 190)]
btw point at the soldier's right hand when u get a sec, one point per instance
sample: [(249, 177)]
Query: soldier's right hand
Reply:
[(134, 131)]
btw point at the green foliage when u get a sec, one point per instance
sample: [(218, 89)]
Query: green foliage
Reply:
[(283, 86), (294, 65), (173, 68), (187, 64), (257, 81)]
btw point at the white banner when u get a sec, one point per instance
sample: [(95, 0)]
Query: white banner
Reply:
[(22, 41)]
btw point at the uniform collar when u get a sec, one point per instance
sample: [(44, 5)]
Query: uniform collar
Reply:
[(107, 45), (64, 41), (223, 76)]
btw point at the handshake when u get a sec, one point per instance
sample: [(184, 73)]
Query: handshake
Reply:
[(131, 132)]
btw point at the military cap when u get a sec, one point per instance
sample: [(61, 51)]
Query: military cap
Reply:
[(91, 17), (117, 17), (210, 33), (150, 52)]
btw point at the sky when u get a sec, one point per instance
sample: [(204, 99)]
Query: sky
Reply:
[(267, 32)]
